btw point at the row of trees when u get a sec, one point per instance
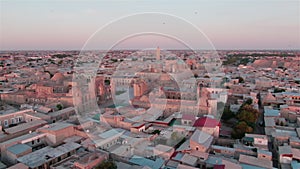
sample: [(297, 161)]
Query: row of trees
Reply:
[(247, 117), (236, 60)]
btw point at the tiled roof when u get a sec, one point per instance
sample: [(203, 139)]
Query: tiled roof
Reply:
[(206, 122)]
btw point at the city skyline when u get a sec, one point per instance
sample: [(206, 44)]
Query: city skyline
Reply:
[(130, 84)]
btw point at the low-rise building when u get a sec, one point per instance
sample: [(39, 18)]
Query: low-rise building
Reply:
[(47, 156), (200, 141), (285, 154), (90, 160)]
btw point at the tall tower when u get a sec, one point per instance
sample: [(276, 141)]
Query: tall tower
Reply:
[(158, 53)]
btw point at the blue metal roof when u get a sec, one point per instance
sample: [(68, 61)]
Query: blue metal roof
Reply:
[(246, 166), (147, 162), (270, 112), (214, 160), (19, 148), (295, 164)]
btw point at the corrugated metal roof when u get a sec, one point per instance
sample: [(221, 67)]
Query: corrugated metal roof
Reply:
[(18, 148)]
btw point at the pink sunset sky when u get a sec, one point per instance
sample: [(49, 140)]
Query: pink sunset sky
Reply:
[(228, 24)]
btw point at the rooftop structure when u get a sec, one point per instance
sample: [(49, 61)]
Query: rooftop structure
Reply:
[(45, 155)]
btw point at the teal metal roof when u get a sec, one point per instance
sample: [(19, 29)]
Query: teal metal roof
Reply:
[(270, 112), (246, 166), (147, 162), (250, 139), (214, 160), (295, 164), (19, 148)]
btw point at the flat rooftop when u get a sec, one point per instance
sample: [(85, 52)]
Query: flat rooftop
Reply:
[(110, 133), (41, 156), (57, 126), (25, 126), (19, 148), (13, 110), (255, 161), (271, 112), (23, 137), (202, 138), (63, 111), (18, 166)]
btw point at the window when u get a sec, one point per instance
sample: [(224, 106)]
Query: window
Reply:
[(5, 123), (12, 121), (17, 120), (20, 118)]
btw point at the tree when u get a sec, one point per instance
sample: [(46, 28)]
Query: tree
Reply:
[(227, 114), (249, 101), (108, 164), (240, 129), (59, 106), (247, 116), (278, 90), (156, 132), (241, 80)]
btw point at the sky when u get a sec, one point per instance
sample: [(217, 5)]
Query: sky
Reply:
[(89, 24)]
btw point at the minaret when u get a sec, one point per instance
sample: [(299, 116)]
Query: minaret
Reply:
[(157, 53)]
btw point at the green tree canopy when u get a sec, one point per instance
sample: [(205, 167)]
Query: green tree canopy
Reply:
[(240, 129), (247, 116), (108, 164), (59, 106), (227, 114)]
